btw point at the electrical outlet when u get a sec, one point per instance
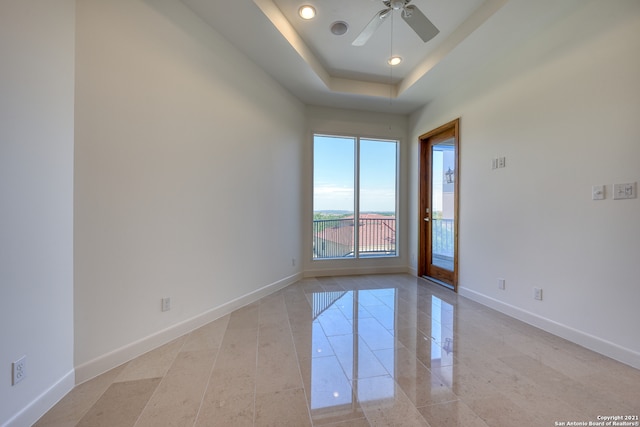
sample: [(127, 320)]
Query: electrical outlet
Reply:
[(166, 304), (501, 284), (537, 294), (18, 370), (293, 262)]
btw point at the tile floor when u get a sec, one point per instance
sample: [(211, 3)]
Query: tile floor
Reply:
[(384, 350)]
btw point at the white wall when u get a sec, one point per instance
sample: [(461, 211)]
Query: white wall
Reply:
[(188, 178), (358, 123), (564, 111), (36, 204)]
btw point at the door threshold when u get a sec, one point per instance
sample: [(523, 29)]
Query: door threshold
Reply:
[(439, 282)]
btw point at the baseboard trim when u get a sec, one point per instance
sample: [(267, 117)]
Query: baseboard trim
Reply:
[(599, 345), (355, 271), (102, 364), (45, 401)]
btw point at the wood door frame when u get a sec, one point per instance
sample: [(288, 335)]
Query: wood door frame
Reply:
[(442, 133)]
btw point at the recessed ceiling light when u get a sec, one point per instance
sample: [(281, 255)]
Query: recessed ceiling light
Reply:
[(307, 12), (339, 28), (394, 60)]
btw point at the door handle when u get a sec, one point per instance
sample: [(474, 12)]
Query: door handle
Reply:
[(426, 219)]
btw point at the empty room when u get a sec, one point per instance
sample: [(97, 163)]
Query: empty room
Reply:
[(306, 213)]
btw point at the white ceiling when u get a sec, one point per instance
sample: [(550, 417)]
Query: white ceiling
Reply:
[(323, 69), (369, 62)]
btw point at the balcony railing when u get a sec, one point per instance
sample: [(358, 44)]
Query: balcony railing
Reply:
[(334, 238), (442, 237)]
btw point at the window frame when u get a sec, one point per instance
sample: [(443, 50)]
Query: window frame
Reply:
[(357, 192)]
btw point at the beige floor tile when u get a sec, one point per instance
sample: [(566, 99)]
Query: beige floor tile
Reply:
[(153, 364), (500, 411), (329, 393), (225, 383), (375, 355), (272, 305), (624, 389), (121, 404), (245, 317), (238, 348), (355, 357), (78, 402), (589, 400), (208, 337), (235, 410), (273, 319), (463, 382), (278, 374), (286, 408), (451, 414), (277, 367), (177, 399), (535, 400), (418, 383), (550, 355), (301, 325), (359, 422), (347, 416), (306, 346), (234, 371), (385, 404)]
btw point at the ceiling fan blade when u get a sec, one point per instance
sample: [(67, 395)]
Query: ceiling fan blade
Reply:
[(419, 23), (371, 27)]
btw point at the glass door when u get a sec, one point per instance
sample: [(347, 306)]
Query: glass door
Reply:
[(442, 204), (438, 199)]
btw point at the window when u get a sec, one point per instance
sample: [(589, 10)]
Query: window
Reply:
[(354, 182)]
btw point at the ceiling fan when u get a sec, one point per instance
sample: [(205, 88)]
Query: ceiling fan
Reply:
[(411, 15)]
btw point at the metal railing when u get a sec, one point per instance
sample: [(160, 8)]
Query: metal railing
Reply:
[(334, 238), (442, 237), (321, 301)]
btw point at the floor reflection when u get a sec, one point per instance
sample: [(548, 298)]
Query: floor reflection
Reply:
[(347, 328), (357, 356), (442, 334)]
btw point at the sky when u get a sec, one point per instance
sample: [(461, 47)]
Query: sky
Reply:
[(334, 167), (333, 174)]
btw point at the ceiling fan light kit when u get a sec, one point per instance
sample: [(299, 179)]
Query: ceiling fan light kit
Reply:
[(394, 60)]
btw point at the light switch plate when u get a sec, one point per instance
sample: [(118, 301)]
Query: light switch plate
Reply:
[(624, 191), (597, 192)]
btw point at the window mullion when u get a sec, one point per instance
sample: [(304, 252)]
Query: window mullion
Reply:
[(356, 210)]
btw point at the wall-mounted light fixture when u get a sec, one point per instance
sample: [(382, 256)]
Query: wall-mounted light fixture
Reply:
[(449, 174), (307, 12), (448, 346)]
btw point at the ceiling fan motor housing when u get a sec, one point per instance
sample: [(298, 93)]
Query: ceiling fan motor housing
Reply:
[(396, 4)]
